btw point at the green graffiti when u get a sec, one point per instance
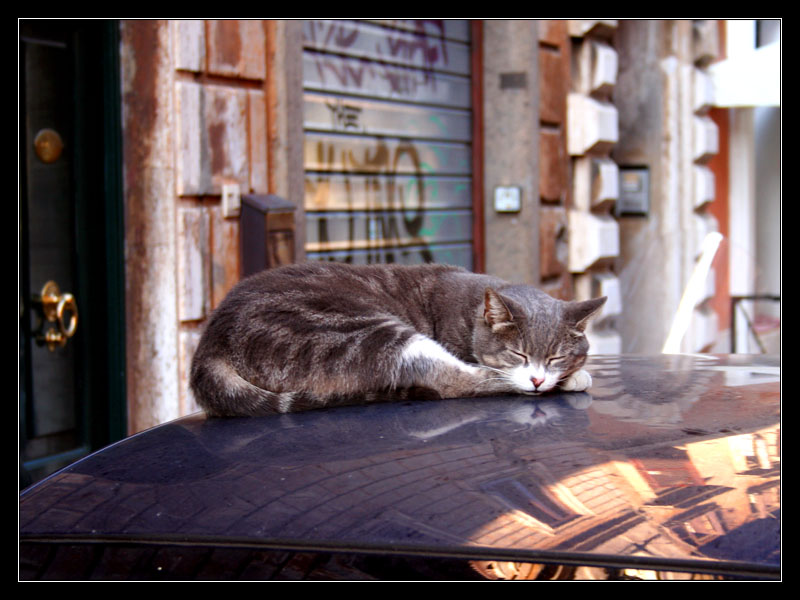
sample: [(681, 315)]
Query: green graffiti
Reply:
[(434, 188), (440, 154), (439, 123), (434, 224), (412, 183)]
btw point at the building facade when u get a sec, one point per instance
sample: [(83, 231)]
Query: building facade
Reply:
[(588, 157)]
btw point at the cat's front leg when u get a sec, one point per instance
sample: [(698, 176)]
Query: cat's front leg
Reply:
[(578, 381), (488, 381), (425, 363), (473, 381)]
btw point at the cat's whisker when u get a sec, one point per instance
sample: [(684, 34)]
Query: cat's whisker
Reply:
[(494, 369), (506, 379)]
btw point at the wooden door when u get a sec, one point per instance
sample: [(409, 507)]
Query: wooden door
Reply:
[(68, 245)]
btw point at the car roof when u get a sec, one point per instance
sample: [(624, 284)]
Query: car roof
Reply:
[(667, 462)]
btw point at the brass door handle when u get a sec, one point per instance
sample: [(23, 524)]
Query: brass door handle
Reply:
[(56, 307)]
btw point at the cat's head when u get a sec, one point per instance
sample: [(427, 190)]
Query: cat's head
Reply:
[(533, 339)]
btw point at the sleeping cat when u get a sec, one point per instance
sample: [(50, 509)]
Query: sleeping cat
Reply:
[(321, 334)]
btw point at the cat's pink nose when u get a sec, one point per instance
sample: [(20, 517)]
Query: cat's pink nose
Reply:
[(537, 382)]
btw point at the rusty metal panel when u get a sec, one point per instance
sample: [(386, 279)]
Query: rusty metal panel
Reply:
[(387, 146)]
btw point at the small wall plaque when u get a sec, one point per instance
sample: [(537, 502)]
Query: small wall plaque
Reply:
[(634, 191), (507, 199), (517, 80)]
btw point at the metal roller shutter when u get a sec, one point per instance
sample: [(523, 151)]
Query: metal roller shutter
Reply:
[(387, 145)]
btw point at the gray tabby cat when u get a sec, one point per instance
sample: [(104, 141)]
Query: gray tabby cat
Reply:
[(314, 335)]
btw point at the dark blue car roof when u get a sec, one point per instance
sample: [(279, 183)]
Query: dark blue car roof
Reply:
[(668, 462)]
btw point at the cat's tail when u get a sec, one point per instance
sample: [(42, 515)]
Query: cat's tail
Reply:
[(222, 392)]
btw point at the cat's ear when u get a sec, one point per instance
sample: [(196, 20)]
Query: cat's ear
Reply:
[(495, 311), (579, 313)]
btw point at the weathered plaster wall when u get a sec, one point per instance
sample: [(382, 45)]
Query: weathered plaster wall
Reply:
[(206, 104), (150, 209)]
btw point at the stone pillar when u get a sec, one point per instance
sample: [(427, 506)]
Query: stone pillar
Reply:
[(663, 98), (150, 210), (511, 147)]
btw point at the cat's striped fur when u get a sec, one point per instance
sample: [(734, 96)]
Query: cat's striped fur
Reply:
[(314, 335)]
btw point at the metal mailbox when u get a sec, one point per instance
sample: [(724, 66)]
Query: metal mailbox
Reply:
[(267, 232)]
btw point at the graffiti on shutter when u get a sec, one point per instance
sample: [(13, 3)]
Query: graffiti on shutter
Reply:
[(387, 144)]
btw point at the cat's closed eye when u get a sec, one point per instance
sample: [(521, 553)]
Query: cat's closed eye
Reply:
[(524, 357)]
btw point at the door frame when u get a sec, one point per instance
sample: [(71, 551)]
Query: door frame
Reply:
[(478, 205)]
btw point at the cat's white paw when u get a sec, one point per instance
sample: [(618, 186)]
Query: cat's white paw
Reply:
[(577, 382)]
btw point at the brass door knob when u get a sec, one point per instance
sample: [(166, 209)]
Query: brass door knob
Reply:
[(48, 145), (60, 309)]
